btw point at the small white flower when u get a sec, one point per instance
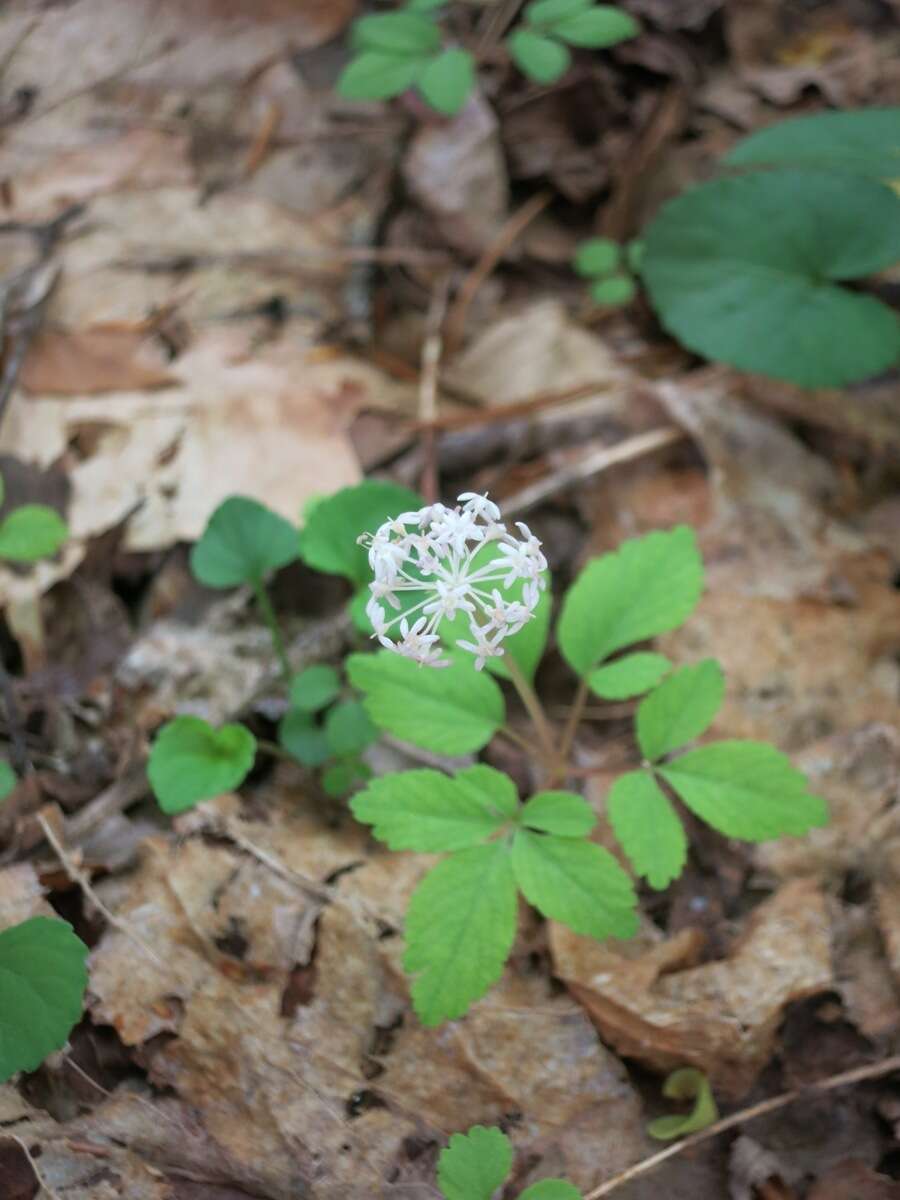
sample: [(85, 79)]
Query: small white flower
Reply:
[(439, 555)]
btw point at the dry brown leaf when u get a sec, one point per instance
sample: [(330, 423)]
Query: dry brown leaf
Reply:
[(21, 895), (720, 1017), (102, 358)]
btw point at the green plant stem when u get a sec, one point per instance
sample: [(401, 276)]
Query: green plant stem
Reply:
[(568, 737), (267, 612), (273, 750), (532, 705)]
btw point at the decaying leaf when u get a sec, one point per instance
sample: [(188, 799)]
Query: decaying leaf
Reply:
[(720, 1017)]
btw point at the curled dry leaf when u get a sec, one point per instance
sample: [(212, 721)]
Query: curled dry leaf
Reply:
[(720, 1017)]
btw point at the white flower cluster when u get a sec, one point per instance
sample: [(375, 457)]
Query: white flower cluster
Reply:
[(433, 551)]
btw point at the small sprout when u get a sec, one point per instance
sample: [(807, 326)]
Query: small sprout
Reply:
[(540, 46), (614, 291), (31, 532), (686, 1084), (315, 688)]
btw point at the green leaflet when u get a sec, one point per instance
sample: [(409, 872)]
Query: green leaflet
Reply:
[(314, 688), (328, 541), (628, 676), (562, 813), (455, 710), (190, 761), (680, 709), (243, 541), (575, 882), (348, 729), (647, 828), (43, 976), (432, 812), (648, 586), (746, 790), (474, 1164), (459, 929), (551, 1189), (7, 779)]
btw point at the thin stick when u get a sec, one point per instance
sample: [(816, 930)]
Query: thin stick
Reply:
[(456, 321), (532, 704), (432, 348), (80, 878), (267, 612), (591, 464), (857, 1075), (571, 728)]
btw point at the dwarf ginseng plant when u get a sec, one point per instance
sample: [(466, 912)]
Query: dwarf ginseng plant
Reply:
[(457, 600)]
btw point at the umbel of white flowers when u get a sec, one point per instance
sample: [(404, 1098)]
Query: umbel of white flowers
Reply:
[(459, 560)]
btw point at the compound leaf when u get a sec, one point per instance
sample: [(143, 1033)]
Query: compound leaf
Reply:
[(190, 761), (460, 926), (686, 1084), (628, 676), (453, 710), (680, 709), (648, 586), (31, 532), (746, 790), (432, 812), (746, 271), (378, 75), (314, 688), (540, 58), (43, 976), (243, 541), (575, 882), (447, 81), (328, 541), (474, 1164), (597, 27), (865, 142), (562, 813), (648, 828)]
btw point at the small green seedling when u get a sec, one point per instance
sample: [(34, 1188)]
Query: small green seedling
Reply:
[(31, 532), (396, 51), (43, 977), (475, 1164), (461, 920), (335, 738), (191, 761), (686, 1084), (599, 260), (540, 46)]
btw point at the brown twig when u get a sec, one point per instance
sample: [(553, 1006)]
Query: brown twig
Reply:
[(591, 464), (520, 220), (857, 1075), (432, 348), (455, 422)]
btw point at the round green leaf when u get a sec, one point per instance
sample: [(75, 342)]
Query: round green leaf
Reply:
[(43, 977), (402, 34), (348, 728), (302, 739), (242, 543), (596, 28), (617, 290), (376, 75), (31, 532), (329, 538), (7, 779), (744, 271), (190, 761), (540, 58), (865, 142), (547, 12), (596, 256), (342, 777), (474, 1164), (313, 688), (447, 81)]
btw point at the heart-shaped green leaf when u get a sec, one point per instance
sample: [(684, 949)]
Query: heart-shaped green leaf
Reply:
[(329, 538), (242, 543), (42, 982), (190, 761), (31, 532)]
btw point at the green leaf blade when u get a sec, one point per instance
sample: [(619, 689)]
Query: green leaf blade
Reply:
[(348, 729), (597, 256), (242, 543), (447, 81), (686, 1084), (562, 813), (190, 761), (403, 34), (746, 790), (328, 541), (598, 27), (43, 977), (628, 676), (453, 710), (551, 1189), (864, 142), (680, 708), (541, 58), (548, 12), (377, 75), (8, 779), (614, 291), (575, 882), (647, 587), (31, 532), (474, 1164), (314, 688), (745, 271), (647, 828), (302, 738), (460, 926), (428, 811)]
